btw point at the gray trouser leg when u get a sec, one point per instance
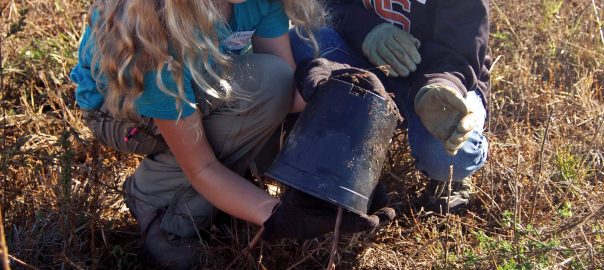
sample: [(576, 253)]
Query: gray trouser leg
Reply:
[(236, 132)]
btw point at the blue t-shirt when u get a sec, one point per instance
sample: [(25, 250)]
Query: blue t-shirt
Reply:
[(265, 18)]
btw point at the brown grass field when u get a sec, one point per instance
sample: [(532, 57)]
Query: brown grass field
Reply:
[(539, 201)]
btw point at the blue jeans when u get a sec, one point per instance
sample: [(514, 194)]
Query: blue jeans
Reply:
[(429, 153)]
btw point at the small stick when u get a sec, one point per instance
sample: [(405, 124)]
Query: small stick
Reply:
[(539, 170), (252, 244), (24, 264), (593, 3), (336, 239), (448, 217), (3, 246)]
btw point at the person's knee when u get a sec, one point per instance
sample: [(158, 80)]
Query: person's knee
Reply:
[(277, 87), (187, 212), (302, 47), (434, 161)]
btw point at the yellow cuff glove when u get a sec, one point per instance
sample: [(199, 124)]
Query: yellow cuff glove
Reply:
[(446, 115), (388, 44)]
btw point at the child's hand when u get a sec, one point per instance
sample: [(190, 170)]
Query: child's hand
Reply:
[(390, 45), (446, 115), (301, 216)]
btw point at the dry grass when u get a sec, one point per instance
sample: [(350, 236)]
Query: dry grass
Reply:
[(539, 201)]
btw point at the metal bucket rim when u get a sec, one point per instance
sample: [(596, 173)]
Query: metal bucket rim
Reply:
[(314, 194)]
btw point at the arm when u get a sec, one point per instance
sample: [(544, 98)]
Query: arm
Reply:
[(455, 62), (453, 52), (352, 21), (301, 217), (280, 47), (383, 43), (455, 55), (226, 190)]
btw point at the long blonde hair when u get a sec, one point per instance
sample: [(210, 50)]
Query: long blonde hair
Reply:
[(134, 37)]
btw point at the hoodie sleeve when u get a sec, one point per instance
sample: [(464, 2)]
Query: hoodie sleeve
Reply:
[(455, 54), (352, 21), (454, 36)]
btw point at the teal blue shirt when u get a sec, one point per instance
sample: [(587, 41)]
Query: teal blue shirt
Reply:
[(265, 17)]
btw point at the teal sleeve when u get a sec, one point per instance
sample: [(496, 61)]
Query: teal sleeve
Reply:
[(152, 103), (87, 94), (275, 22), (156, 104)]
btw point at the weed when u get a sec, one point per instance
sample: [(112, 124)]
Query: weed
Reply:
[(526, 252), (571, 169), (470, 258), (551, 7), (508, 219), (565, 210), (18, 26)]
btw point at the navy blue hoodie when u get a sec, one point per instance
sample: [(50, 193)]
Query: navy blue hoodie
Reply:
[(453, 34)]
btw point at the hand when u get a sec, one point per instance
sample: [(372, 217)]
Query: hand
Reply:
[(301, 216), (446, 115), (310, 75), (389, 45)]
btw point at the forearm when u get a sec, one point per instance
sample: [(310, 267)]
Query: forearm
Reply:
[(455, 55), (222, 187), (233, 194), (298, 104), (346, 18)]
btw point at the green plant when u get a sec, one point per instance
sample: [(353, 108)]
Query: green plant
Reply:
[(525, 252), (550, 10), (570, 167), (565, 210), (508, 218)]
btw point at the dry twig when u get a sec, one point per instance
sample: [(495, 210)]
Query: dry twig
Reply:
[(448, 217), (540, 166), (507, 21), (22, 263), (336, 239), (312, 253), (578, 222), (252, 244), (3, 246), (593, 3)]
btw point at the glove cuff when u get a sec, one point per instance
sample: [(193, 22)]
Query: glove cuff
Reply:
[(433, 86), (268, 233), (422, 91)]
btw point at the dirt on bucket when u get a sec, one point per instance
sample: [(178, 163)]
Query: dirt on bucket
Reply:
[(360, 78)]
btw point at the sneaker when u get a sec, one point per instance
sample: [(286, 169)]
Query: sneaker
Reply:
[(161, 249), (436, 199)]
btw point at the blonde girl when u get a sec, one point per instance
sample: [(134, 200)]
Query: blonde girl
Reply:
[(198, 87)]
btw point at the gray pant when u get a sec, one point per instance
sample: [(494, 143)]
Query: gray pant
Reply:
[(236, 133)]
